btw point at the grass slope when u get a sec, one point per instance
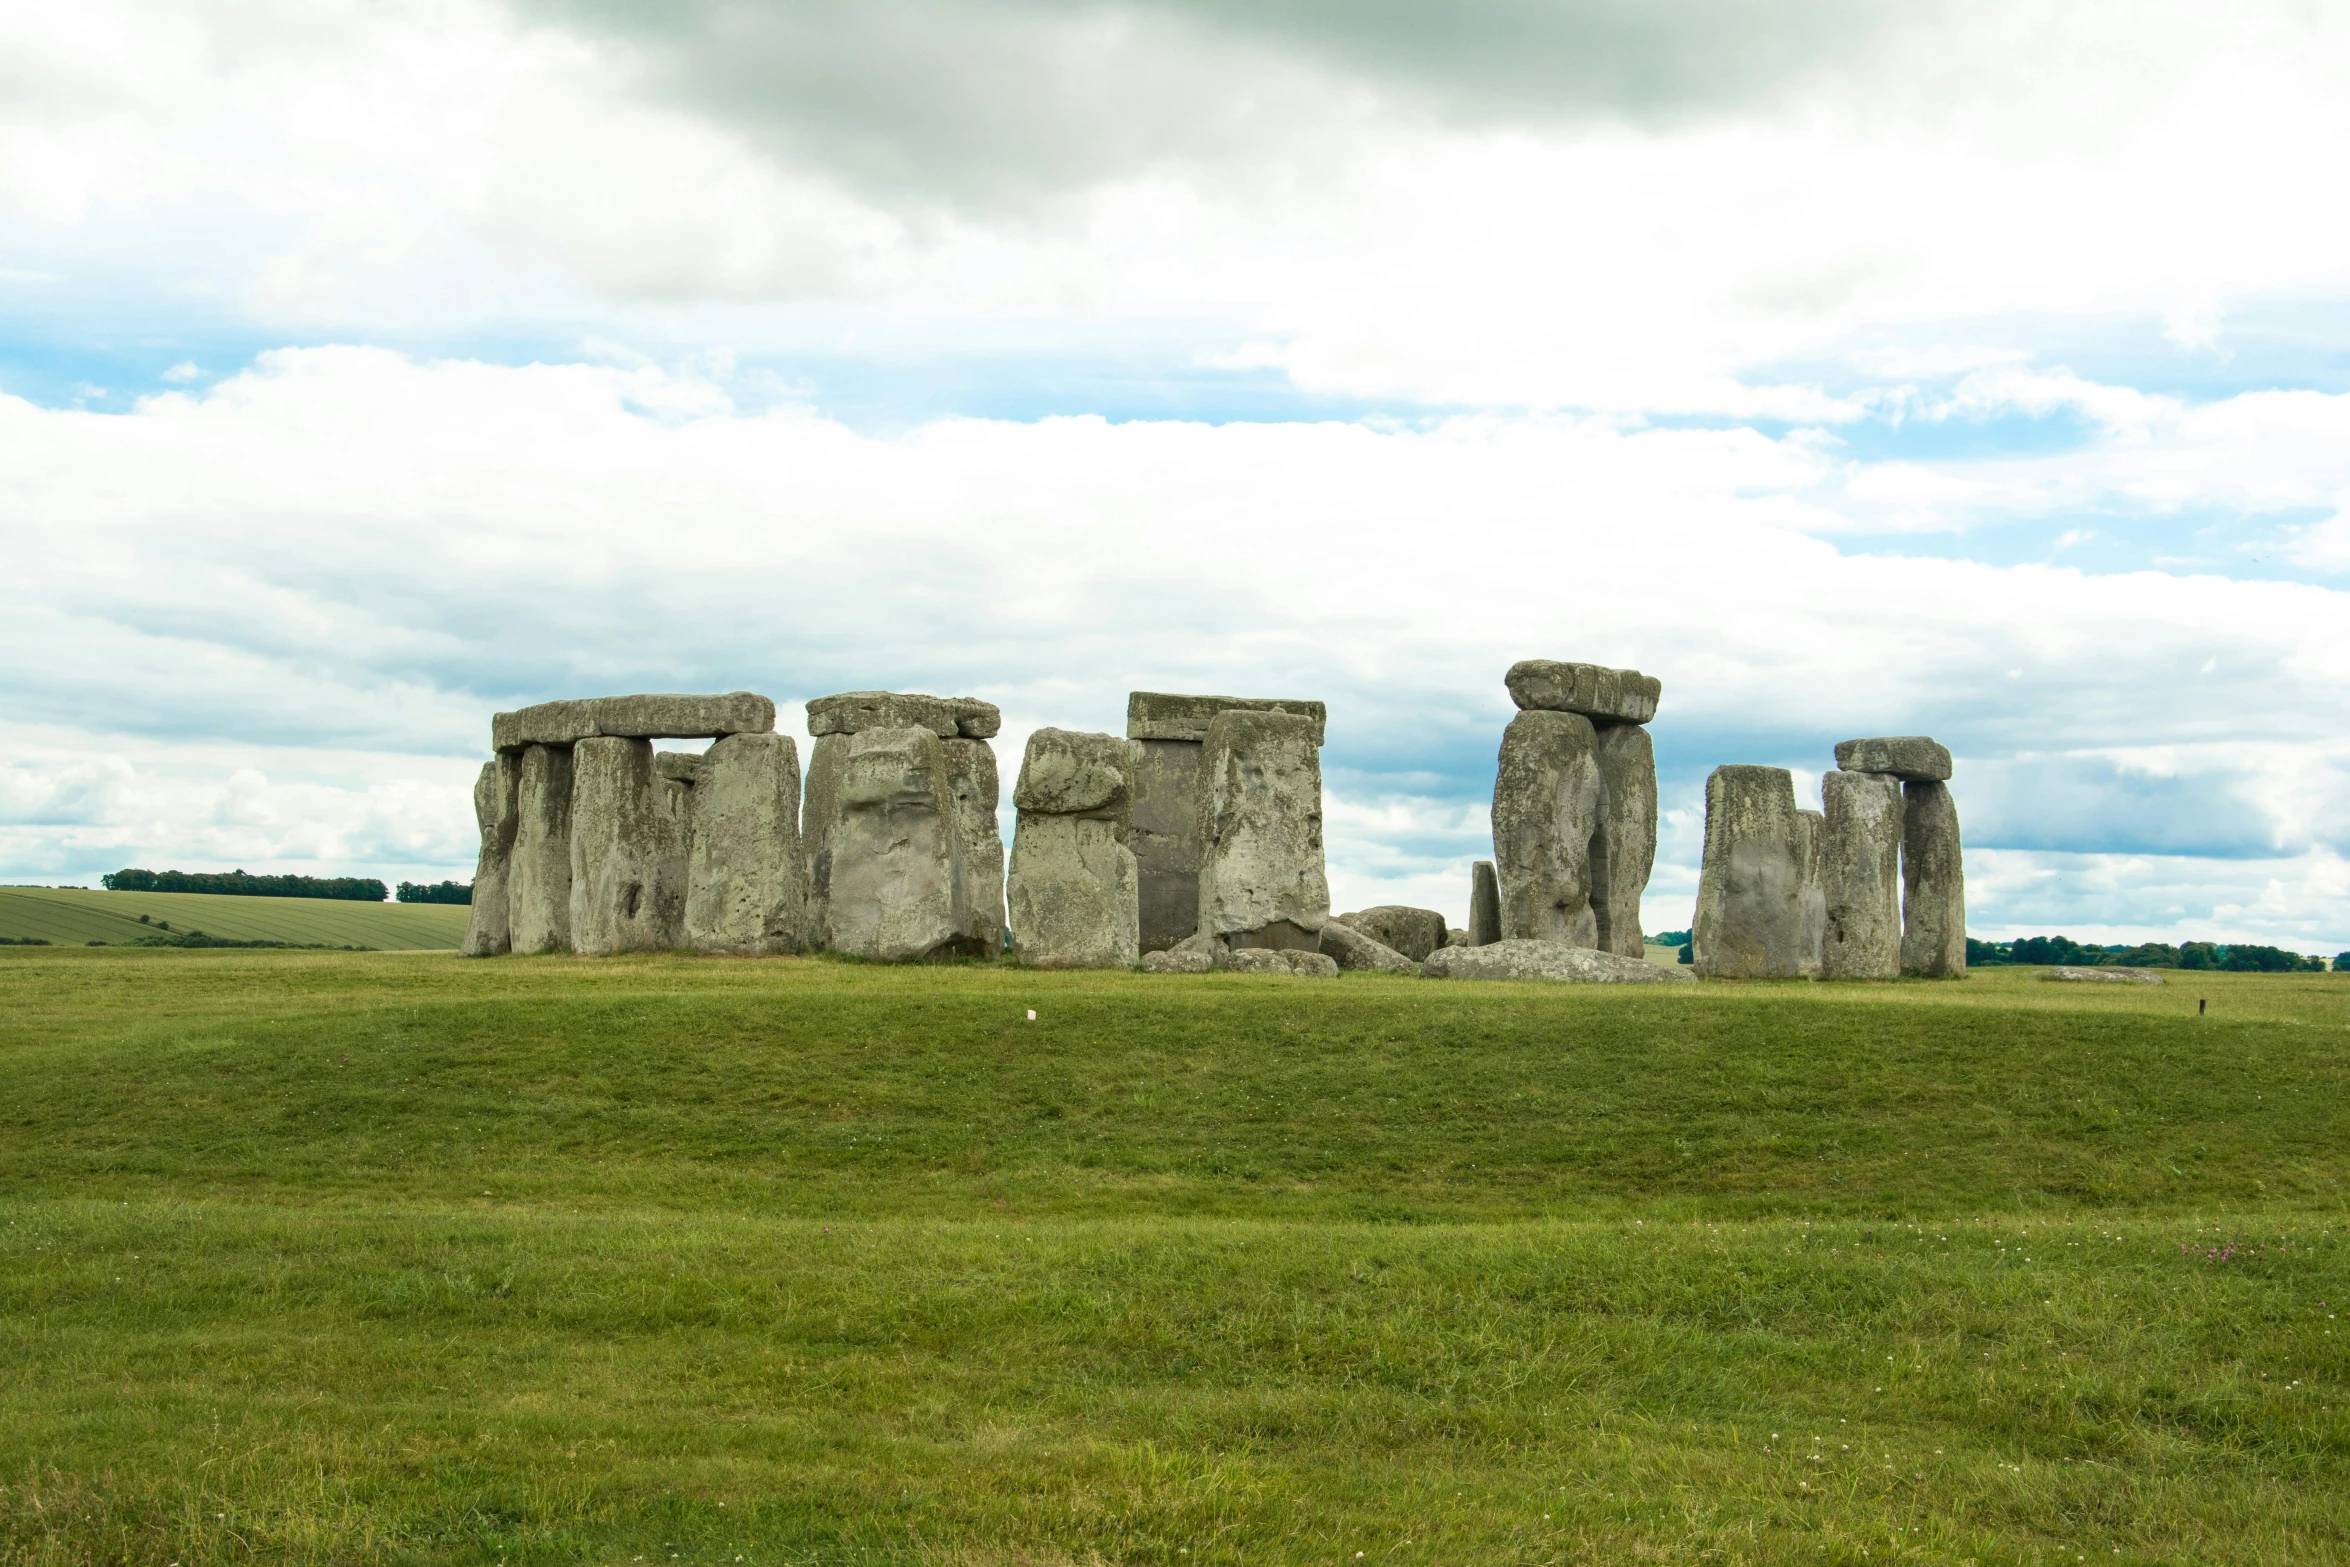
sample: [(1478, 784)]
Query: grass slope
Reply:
[(70, 916), (313, 1257)]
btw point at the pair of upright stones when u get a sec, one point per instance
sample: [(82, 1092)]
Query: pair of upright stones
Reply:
[(1872, 887), (1574, 810)]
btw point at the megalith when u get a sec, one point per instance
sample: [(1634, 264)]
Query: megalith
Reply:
[(1750, 886), (1413, 932), (895, 884), (1484, 905), (973, 793), (538, 875), (1074, 883), (675, 777), (655, 716), (615, 846), (1545, 813), (488, 928), (1910, 758), (744, 890), (1933, 882), (1261, 876), (1811, 931), (1623, 845), (1860, 873)]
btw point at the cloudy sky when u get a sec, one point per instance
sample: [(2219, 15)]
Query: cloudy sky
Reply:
[(1978, 370)]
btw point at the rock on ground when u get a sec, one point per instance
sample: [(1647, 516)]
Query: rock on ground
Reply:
[(1555, 961), (1356, 951), (1622, 696), (1911, 758), (614, 846), (538, 874), (1413, 932), (1177, 960), (1860, 875), (2102, 976), (1545, 809), (1260, 824), (1623, 850), (973, 792), (1484, 905), (895, 886), (1164, 715), (746, 890), (653, 716), (1933, 883), (488, 930), (1457, 937), (1268, 960), (1750, 889)]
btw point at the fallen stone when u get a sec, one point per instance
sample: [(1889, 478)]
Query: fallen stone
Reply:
[(1484, 905), (1545, 810), (1911, 758), (645, 717), (896, 887), (1177, 960), (1623, 850), (2103, 976), (1750, 916), (538, 874), (1357, 952), (1620, 696), (1812, 905), (1260, 824), (854, 712), (1163, 715), (1457, 937), (1555, 961), (1860, 876), (974, 719), (1933, 883), (1278, 935), (973, 793), (746, 891), (1271, 960), (1412, 932), (1068, 773), (488, 931), (1166, 839), (614, 847)]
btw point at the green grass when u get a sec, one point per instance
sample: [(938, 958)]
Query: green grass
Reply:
[(73, 916), (322, 1257)]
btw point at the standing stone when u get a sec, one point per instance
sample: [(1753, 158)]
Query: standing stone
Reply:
[(538, 876), (1545, 811), (745, 892), (1074, 885), (973, 793), (1261, 876), (488, 929), (615, 847), (895, 885), (1413, 932), (1623, 849), (1933, 883), (1484, 905), (1812, 906), (819, 809), (1860, 875), (1749, 921), (676, 775)]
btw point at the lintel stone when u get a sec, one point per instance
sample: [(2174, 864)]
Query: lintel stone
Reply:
[(1163, 715), (1910, 758), (1608, 696), (651, 716)]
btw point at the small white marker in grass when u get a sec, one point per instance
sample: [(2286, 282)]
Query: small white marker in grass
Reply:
[(1032, 1014)]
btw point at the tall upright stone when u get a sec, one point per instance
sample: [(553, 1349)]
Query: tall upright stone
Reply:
[(488, 926), (1074, 883), (1811, 828), (819, 810), (1933, 883), (1750, 921), (1860, 874), (615, 847), (745, 892), (1623, 846), (973, 793), (538, 877), (675, 777), (1262, 881), (1546, 793), (895, 878), (1484, 905)]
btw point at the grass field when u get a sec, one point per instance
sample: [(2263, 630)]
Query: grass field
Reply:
[(395, 1258), (74, 916)]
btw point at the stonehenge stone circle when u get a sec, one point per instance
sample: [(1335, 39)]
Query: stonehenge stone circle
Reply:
[(1074, 886), (614, 847), (745, 892), (1860, 873), (1556, 961), (1933, 883), (1413, 932), (1623, 848), (896, 887), (487, 929), (1910, 758), (1356, 951), (1484, 905), (1750, 889), (1261, 877), (1545, 810), (538, 875), (1616, 696)]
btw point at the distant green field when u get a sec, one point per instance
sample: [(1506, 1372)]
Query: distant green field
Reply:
[(314, 1257), (72, 916)]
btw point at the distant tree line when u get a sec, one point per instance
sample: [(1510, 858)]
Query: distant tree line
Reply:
[(351, 889), (436, 892), (2232, 957)]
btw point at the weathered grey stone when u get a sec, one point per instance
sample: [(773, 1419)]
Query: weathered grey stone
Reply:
[(1933, 883), (819, 809), (1177, 959), (1413, 932), (1358, 952), (655, 716), (683, 767), (974, 719), (1278, 935), (1623, 850), (2102, 976), (1749, 921), (973, 793), (615, 847), (854, 712), (1549, 960), (896, 889), (1073, 893), (1166, 839), (1273, 960), (1457, 937), (1484, 905), (1860, 876), (488, 930), (673, 848), (1545, 811), (1907, 757), (1812, 906), (1164, 715), (1260, 825), (1623, 696), (746, 889), (538, 875), (1066, 772)]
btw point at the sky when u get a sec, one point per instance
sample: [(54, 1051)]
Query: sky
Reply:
[(1978, 370)]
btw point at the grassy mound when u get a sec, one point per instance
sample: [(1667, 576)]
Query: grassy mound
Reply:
[(395, 1258), (73, 917)]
